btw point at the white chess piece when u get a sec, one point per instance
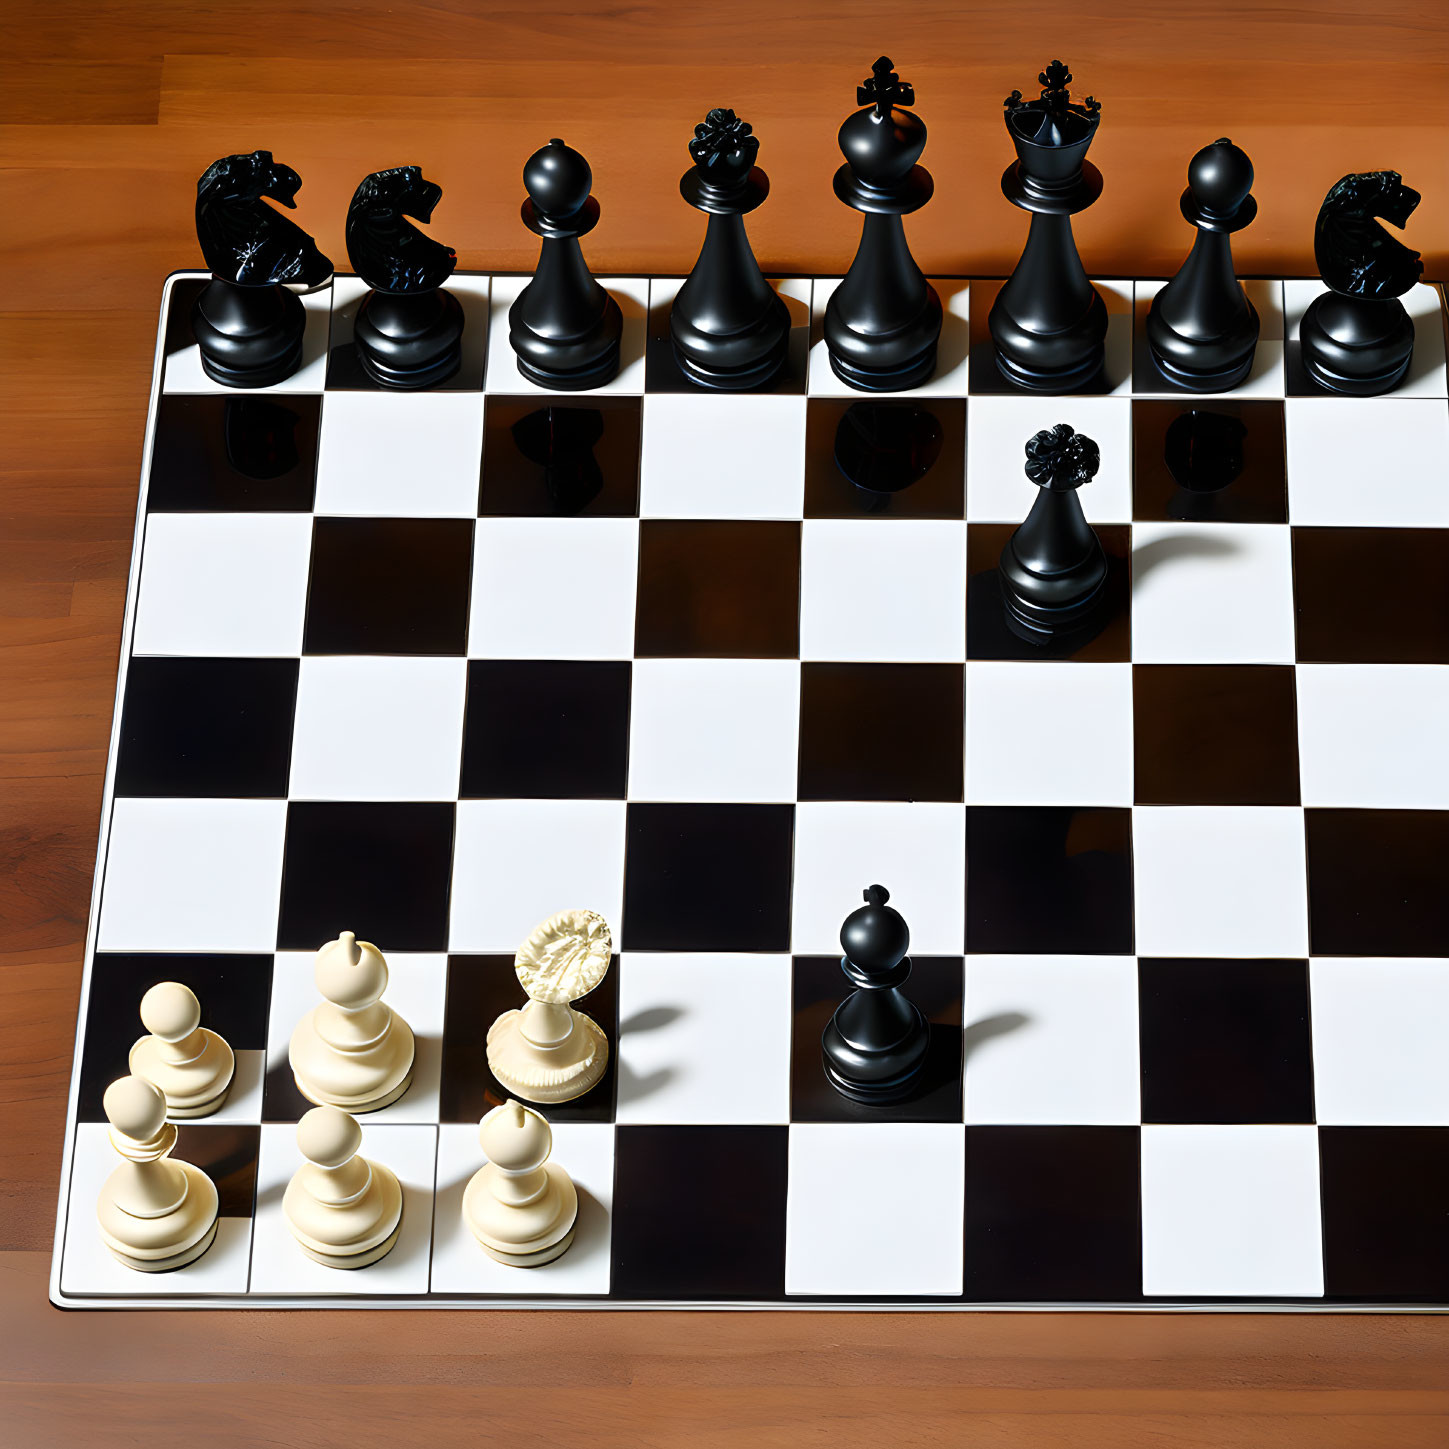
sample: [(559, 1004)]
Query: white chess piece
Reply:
[(344, 1210), (546, 1051), (155, 1214), (192, 1065), (352, 1050), (520, 1206)]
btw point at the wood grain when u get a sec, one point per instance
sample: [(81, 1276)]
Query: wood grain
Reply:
[(108, 112)]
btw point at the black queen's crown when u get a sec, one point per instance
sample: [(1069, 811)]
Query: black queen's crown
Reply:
[(1051, 134)]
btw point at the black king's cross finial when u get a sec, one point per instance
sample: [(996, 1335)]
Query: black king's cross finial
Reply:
[(884, 89)]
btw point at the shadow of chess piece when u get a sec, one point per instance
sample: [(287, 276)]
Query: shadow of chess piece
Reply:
[(884, 447), (561, 441), (260, 437)]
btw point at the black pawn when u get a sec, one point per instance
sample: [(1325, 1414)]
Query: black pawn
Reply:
[(729, 327), (1053, 570), (564, 326), (1202, 330), (874, 1047), (408, 331), (883, 321), (1049, 323)]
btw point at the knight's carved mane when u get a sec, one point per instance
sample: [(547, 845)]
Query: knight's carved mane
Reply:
[(242, 238), (386, 250), (1355, 255)]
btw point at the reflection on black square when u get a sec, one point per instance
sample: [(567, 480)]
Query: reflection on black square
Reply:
[(985, 377), (382, 870), (718, 590), (1372, 595), (1385, 1206), (1376, 882), (699, 1212), (664, 374), (708, 877), (548, 457), (1225, 1041), (1104, 639), (1051, 880), (1211, 462), (1053, 1214), (935, 986), (546, 729), (207, 727), (227, 1153), (234, 453), (234, 992), (1215, 734), (850, 722), (480, 989), (389, 586), (916, 447)]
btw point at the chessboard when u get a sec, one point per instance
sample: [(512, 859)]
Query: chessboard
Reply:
[(432, 666)]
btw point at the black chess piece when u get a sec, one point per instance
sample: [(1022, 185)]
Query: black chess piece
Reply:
[(1202, 330), (561, 441), (874, 1046), (1049, 322), (1358, 338), (408, 331), (564, 326), (883, 447), (247, 324), (730, 328), (883, 321), (1053, 569)]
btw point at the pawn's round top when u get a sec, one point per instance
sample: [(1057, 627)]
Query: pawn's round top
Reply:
[(1219, 180), (558, 179), (135, 1107), (328, 1136), (350, 973), (515, 1137), (170, 1010), (875, 936)]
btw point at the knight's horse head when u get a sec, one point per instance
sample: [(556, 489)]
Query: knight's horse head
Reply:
[(385, 250), (243, 239), (1355, 255)]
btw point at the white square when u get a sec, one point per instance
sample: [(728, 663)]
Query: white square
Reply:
[(1052, 1040), (1267, 376), (703, 457), (1212, 593), (714, 729), (472, 295), (949, 378), (1117, 365), (375, 728), (1426, 376), (876, 1208), (193, 875), (244, 1096), (417, 990), (1379, 460), (223, 583), (517, 862), (1379, 1033), (1015, 754), (682, 1021), (400, 455), (632, 295), (280, 1266), (918, 852), (997, 429), (1220, 880), (889, 593), (586, 1151), (554, 588), (1231, 1212), (1373, 735)]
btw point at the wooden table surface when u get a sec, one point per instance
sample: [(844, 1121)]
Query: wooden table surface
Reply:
[(108, 112)]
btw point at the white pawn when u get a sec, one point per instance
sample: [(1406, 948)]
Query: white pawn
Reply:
[(155, 1214), (546, 1051), (520, 1206), (192, 1065), (344, 1210), (352, 1050)]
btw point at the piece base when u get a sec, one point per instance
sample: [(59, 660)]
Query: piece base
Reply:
[(1354, 386), (532, 1260), (413, 379), (199, 1109), (355, 1260), (871, 379), (733, 379), (1223, 381), (603, 371), (1033, 379), (1036, 625), (357, 1107), (874, 1094), (250, 379), (167, 1265)]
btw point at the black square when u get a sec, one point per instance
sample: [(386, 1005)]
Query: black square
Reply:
[(234, 453), (851, 722), (935, 985), (1215, 734), (207, 727), (382, 870), (1385, 1206), (1053, 1215), (663, 373), (546, 729), (1225, 1041), (699, 1213), (1376, 882), (708, 877), (389, 586), (1050, 880), (227, 1153), (718, 590)]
